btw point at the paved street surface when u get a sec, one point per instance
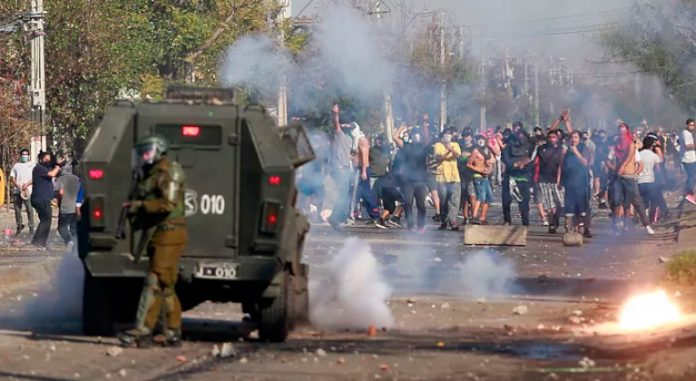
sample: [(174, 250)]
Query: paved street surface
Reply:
[(442, 330)]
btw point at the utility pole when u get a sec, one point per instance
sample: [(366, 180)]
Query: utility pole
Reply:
[(537, 117), (38, 74), (526, 79), (484, 82), (376, 10), (443, 86), (282, 120)]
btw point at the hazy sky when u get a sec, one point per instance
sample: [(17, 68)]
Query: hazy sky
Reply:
[(558, 27)]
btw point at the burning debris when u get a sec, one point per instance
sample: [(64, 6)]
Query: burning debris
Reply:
[(648, 311)]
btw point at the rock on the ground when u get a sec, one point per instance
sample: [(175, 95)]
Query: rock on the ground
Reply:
[(520, 310), (114, 351)]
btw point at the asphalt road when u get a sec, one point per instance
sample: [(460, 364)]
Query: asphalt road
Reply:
[(444, 326)]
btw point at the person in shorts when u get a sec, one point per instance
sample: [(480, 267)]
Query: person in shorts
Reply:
[(549, 160), (482, 164)]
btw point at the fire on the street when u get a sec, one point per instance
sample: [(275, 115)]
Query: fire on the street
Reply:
[(648, 311)]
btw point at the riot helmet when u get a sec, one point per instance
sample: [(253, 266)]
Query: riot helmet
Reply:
[(150, 149)]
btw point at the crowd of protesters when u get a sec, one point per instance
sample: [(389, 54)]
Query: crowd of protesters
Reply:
[(564, 172)]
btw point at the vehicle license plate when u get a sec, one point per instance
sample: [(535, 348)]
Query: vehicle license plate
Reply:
[(217, 270)]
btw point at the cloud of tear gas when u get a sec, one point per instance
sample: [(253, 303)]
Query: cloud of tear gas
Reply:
[(353, 293), (59, 303), (343, 52), (487, 273), (254, 61), (347, 43)]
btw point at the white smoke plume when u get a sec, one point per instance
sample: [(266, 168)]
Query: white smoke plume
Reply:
[(486, 273), (60, 301), (353, 294), (255, 61)]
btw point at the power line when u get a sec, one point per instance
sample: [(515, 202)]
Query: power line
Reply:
[(583, 15)]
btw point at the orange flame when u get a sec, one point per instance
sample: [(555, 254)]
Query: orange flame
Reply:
[(648, 311)]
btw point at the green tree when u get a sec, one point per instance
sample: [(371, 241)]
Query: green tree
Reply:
[(659, 38)]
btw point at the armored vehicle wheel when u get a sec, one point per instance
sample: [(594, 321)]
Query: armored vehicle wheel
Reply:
[(274, 321), (96, 313), (298, 302)]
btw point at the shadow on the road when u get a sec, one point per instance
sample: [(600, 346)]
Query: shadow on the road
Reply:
[(20, 376), (577, 287)]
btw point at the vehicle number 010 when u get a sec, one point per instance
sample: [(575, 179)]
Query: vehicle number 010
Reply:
[(212, 204)]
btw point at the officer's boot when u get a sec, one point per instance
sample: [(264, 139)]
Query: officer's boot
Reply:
[(170, 337), (170, 320), (141, 335)]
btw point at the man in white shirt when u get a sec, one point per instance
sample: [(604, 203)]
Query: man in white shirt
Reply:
[(20, 177), (688, 159)]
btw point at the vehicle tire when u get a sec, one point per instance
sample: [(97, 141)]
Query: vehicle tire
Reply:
[(274, 322), (96, 312)]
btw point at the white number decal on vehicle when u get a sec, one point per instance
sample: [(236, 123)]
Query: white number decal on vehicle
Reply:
[(212, 204)]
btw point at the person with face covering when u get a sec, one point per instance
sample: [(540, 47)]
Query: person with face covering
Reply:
[(517, 180), (411, 170), (363, 190), (575, 177), (468, 194), (20, 177), (41, 196), (447, 153), (481, 163), (340, 169), (549, 161)]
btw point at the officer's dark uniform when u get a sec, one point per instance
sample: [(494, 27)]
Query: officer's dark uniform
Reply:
[(157, 207)]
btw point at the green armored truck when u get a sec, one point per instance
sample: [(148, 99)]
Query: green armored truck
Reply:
[(245, 234)]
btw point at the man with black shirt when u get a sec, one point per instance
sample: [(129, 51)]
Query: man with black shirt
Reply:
[(412, 174), (549, 160), (41, 196), (517, 181)]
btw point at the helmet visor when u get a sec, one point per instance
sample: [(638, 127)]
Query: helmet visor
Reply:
[(146, 153)]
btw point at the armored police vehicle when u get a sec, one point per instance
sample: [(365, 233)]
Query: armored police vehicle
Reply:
[(245, 234)]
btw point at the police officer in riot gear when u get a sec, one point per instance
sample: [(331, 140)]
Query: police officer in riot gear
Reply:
[(156, 207)]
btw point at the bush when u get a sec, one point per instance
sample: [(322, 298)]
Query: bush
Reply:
[(681, 270)]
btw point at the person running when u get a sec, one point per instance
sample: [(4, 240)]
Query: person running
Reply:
[(482, 163), (549, 160), (575, 178)]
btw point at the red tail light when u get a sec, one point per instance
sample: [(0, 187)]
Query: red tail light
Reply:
[(274, 181), (96, 211), (270, 213), (96, 174), (190, 131)]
